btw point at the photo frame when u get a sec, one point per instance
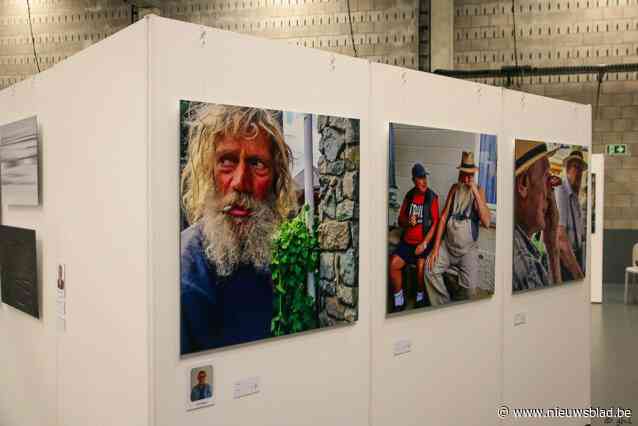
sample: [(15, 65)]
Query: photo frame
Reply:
[(200, 390)]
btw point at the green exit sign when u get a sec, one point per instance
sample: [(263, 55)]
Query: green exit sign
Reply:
[(617, 149)]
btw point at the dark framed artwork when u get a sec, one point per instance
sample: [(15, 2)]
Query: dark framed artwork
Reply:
[(18, 269)]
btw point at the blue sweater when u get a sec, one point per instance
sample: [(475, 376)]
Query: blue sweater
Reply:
[(220, 311), (200, 392)]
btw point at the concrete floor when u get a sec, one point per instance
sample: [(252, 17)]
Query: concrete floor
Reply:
[(614, 374)]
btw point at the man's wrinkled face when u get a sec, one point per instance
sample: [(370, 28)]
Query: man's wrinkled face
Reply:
[(201, 377), (421, 183), (574, 174), (243, 171), (539, 189), (466, 178), (240, 214)]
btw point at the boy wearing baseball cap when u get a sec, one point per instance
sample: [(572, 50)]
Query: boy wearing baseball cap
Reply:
[(418, 218)]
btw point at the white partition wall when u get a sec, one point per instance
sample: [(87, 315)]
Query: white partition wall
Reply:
[(92, 119), (449, 377), (546, 361), (109, 124), (316, 378)]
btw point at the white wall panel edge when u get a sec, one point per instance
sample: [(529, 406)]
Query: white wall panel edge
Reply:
[(312, 378), (586, 126), (372, 169), (92, 169), (506, 160), (150, 289)]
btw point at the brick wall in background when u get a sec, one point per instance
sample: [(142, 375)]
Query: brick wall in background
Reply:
[(567, 32), (385, 31), (61, 28), (549, 32)]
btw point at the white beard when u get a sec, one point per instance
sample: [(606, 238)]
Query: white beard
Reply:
[(463, 197), (230, 242)]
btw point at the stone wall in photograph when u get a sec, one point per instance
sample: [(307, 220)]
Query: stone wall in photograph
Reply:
[(338, 224)]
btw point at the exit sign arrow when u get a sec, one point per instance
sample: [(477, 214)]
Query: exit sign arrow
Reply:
[(617, 149)]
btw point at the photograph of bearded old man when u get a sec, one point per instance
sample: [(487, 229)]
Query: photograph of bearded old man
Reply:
[(270, 223), (441, 217), (550, 214)]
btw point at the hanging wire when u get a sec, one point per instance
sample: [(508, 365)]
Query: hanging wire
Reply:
[(35, 54), (354, 48), (514, 31), (599, 78)]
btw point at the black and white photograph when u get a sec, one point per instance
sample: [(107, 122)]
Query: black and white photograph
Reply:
[(19, 163)]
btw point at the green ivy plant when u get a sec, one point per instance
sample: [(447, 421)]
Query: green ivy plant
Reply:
[(295, 254)]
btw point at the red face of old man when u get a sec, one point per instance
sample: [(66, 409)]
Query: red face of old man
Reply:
[(245, 166)]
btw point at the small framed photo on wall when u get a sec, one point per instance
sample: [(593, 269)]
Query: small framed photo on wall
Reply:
[(201, 390)]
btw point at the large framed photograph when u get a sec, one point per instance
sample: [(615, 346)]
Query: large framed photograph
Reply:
[(441, 217), (19, 163), (550, 214), (270, 223)]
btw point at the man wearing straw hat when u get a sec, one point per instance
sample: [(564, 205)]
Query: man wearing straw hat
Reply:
[(534, 211), (571, 233), (465, 209)]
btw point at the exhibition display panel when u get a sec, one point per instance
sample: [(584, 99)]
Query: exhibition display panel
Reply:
[(233, 230)]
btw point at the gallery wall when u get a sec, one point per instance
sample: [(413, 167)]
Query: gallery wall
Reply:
[(110, 212), (92, 218)]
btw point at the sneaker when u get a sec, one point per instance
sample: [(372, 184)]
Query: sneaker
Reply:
[(399, 308), (422, 304)]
